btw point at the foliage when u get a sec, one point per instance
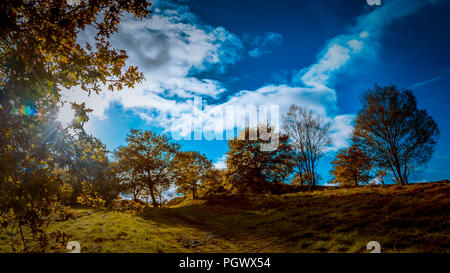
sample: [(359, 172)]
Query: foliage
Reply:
[(128, 181), (131, 206), (27, 208), (190, 169), (249, 167), (394, 131), (352, 166), (86, 159), (147, 158), (40, 56), (29, 182), (309, 136), (90, 197), (214, 183)]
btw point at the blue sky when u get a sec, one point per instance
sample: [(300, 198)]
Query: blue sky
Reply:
[(316, 53)]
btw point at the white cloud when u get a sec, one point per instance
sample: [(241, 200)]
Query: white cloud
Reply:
[(221, 162), (169, 48), (341, 131), (332, 60), (360, 41)]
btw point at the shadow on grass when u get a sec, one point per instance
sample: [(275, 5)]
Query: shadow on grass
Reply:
[(412, 218)]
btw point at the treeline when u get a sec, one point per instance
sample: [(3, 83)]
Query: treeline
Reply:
[(391, 136)]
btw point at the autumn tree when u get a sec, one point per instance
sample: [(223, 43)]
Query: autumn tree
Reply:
[(148, 157), (162, 193), (40, 56), (394, 131), (251, 168), (29, 189), (190, 170), (128, 180), (309, 135), (86, 158), (214, 182), (352, 166)]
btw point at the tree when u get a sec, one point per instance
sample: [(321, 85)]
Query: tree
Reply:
[(309, 136), (129, 182), (398, 135), (190, 170), (214, 182), (250, 168), (39, 56), (86, 158), (380, 174), (148, 156), (160, 191), (352, 166)]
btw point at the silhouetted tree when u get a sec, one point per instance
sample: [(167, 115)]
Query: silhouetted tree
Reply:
[(394, 131)]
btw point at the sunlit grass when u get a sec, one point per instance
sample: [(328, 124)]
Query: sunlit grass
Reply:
[(414, 218)]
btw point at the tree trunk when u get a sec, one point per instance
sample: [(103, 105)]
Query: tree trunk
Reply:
[(25, 248), (154, 201), (301, 176), (194, 193), (405, 177), (399, 174)]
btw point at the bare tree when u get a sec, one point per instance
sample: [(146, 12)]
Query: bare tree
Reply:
[(309, 135)]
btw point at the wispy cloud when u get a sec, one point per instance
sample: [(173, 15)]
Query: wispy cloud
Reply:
[(422, 83), (434, 79), (262, 44), (361, 40)]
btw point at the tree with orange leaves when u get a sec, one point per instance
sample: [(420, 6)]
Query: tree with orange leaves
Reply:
[(352, 166)]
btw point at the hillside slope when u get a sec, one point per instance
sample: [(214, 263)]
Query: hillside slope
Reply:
[(415, 218)]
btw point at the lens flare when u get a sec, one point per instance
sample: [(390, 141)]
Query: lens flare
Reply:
[(28, 110)]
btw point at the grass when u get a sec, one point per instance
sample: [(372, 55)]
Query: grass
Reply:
[(413, 218)]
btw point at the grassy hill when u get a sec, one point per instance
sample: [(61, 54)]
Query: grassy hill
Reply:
[(415, 218)]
